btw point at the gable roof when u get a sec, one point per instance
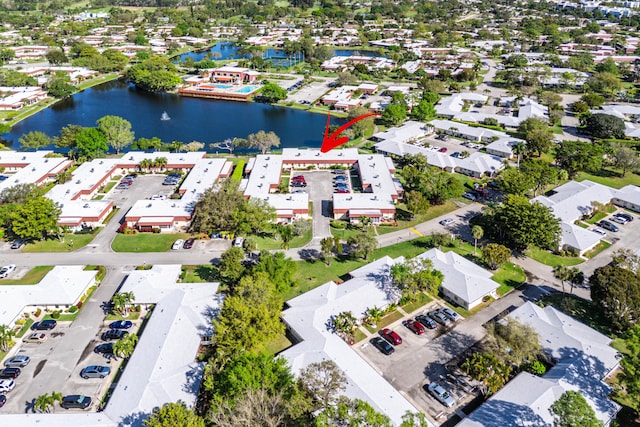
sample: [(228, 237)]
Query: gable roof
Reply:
[(461, 276), (578, 237)]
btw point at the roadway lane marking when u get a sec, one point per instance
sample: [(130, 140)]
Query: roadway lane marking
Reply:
[(416, 231)]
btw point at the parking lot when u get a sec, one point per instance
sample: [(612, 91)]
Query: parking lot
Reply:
[(421, 360), (310, 92), (55, 366), (320, 189)]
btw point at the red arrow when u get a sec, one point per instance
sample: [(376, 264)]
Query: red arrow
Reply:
[(329, 142)]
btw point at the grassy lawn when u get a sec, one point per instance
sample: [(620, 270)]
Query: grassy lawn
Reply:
[(548, 258), (581, 309), (595, 218), (239, 169), (32, 277), (358, 335), (385, 321), (146, 242), (510, 276), (109, 186), (611, 178), (111, 215), (280, 343), (422, 300), (199, 273), (599, 248), (433, 212), (268, 242), (70, 242), (133, 315), (64, 317), (468, 313), (24, 328)]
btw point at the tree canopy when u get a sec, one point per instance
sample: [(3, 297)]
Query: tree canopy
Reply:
[(572, 410), (174, 414), (117, 131), (155, 74)]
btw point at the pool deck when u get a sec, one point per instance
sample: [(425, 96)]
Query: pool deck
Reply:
[(213, 92)]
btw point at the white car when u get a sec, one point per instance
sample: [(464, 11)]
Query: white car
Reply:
[(7, 270), (177, 244), (238, 241), (7, 385), (158, 197), (446, 221), (600, 231)]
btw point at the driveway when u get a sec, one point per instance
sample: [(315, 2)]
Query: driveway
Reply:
[(320, 189)]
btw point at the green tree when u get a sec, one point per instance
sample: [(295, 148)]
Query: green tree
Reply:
[(593, 100), (173, 414), (121, 302), (561, 272), (35, 219), (6, 337), (515, 181), (324, 381), (253, 216), (56, 57), (326, 247), (263, 141), (495, 255), (415, 276), (363, 244), (577, 156), (394, 114), (630, 363), (513, 342), (606, 84), (34, 140), (117, 131), (155, 74), (351, 413), (58, 85), (280, 269), (423, 111), (231, 266), (20, 193), (67, 138), (362, 126), (216, 207), (537, 135), (417, 202), (90, 143), (124, 347), (249, 317), (616, 292), (572, 410), (541, 172), (344, 323), (272, 93), (602, 126), (286, 233), (625, 158), (46, 401), (489, 369), (477, 232)]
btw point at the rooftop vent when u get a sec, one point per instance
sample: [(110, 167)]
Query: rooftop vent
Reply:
[(46, 160), (24, 157), (290, 198), (370, 157), (317, 154), (267, 158), (150, 205), (91, 170), (350, 198), (260, 185), (68, 191), (298, 154), (210, 161), (86, 205), (131, 158), (340, 153), (78, 182), (262, 177), (173, 205), (101, 161), (199, 181), (33, 169), (206, 169), (376, 176), (374, 198)]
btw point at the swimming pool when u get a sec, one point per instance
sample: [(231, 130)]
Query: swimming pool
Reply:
[(246, 89), (220, 86)]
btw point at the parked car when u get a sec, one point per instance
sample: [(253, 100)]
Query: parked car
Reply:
[(391, 336), (188, 244), (238, 241), (456, 155), (17, 244), (75, 401), (426, 321), (451, 315), (441, 395), (342, 191), (438, 317), (45, 325), (7, 270), (121, 324), (95, 371), (446, 221), (414, 326), (608, 226), (122, 186), (469, 196), (37, 338), (113, 334), (105, 349), (158, 197), (7, 385), (600, 231), (9, 373), (17, 361), (626, 216), (340, 178), (443, 150), (382, 345), (177, 244), (614, 218), (3, 400)]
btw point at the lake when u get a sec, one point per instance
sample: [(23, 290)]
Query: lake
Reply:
[(228, 50), (191, 119)]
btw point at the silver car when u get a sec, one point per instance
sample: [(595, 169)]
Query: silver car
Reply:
[(95, 371), (441, 395), (17, 362)]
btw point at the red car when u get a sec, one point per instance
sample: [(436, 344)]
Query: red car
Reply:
[(443, 150), (391, 336), (415, 326), (342, 190), (298, 178)]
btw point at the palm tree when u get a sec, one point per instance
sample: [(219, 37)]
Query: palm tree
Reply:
[(6, 337), (519, 149), (287, 233), (344, 323), (477, 232), (576, 278), (145, 164), (563, 274), (326, 246), (373, 315), (124, 347), (45, 402), (160, 163)]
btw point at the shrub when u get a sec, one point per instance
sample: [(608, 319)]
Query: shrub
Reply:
[(72, 309), (55, 314), (341, 225), (37, 313), (20, 322), (536, 368), (79, 305)]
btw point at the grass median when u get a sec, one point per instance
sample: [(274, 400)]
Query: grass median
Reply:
[(146, 242)]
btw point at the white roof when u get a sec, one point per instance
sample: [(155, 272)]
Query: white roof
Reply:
[(462, 277), (83, 179), (308, 314), (350, 201), (203, 175), (408, 132), (313, 156), (34, 167), (182, 160), (63, 285), (578, 237), (161, 208), (572, 200), (481, 163), (375, 173), (452, 105), (83, 209), (162, 368)]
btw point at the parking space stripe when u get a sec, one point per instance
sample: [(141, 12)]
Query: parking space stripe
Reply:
[(416, 231)]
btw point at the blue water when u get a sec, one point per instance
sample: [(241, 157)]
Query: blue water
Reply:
[(229, 50), (220, 86), (246, 89), (192, 119)]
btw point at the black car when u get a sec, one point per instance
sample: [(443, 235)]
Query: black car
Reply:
[(17, 244), (608, 226), (121, 324), (625, 216), (75, 401), (9, 373), (105, 349), (382, 345), (188, 244), (426, 321), (45, 325), (114, 334), (3, 400)]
